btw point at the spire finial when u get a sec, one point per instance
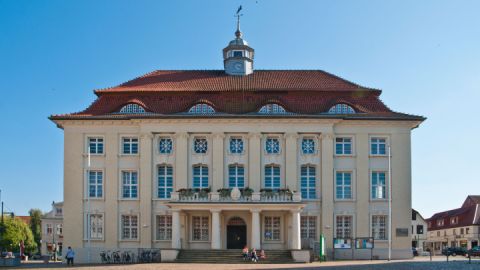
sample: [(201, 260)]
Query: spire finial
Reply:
[(238, 33)]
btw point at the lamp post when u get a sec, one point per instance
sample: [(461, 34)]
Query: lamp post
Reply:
[(389, 203)]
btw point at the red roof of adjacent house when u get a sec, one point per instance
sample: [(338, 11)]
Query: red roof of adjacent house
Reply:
[(25, 219), (303, 93), (467, 215)]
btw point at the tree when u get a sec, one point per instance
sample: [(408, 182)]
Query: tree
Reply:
[(15, 231), (35, 225)]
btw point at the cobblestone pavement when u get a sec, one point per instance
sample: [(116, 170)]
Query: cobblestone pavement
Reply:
[(438, 263)]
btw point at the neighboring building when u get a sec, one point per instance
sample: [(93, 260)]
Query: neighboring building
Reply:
[(150, 163), (52, 229), (455, 228), (419, 231)]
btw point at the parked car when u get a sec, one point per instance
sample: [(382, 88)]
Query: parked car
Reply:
[(414, 251), (454, 251), (475, 251)]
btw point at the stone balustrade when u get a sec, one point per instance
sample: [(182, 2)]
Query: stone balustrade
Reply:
[(273, 196)]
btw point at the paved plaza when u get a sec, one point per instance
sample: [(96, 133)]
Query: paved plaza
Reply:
[(438, 263)]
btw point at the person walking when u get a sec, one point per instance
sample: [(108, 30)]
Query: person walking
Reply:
[(70, 256)]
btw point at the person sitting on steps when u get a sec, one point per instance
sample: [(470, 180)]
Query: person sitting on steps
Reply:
[(245, 253), (262, 254), (254, 256)]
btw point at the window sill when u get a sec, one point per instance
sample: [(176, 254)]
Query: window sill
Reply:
[(345, 156), (94, 199), (94, 155), (130, 240), (377, 156), (344, 200), (198, 241), (129, 155), (162, 241), (129, 199), (379, 200), (161, 199), (94, 240)]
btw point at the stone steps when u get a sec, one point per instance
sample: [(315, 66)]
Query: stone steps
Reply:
[(230, 256)]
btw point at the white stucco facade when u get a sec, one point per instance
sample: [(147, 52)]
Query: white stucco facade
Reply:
[(258, 212)]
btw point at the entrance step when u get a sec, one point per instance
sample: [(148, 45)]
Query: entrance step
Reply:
[(230, 256)]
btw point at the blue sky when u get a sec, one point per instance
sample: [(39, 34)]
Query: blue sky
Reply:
[(423, 54)]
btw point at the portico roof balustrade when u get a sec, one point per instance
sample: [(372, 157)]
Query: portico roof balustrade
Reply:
[(235, 196)]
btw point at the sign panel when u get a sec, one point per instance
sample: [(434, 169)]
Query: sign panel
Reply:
[(364, 243), (340, 243), (402, 232)]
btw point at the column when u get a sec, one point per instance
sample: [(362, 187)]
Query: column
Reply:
[(145, 195), (256, 234), (176, 229), (111, 212), (291, 161), (362, 182), (254, 154), (216, 243), (296, 241), (327, 189), (181, 161), (217, 164)]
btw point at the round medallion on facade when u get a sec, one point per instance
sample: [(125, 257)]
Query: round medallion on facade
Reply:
[(235, 194)]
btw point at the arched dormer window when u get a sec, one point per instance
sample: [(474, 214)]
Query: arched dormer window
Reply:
[(341, 108), (201, 108), (132, 108), (272, 109)]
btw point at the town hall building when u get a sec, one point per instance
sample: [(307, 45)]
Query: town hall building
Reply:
[(180, 160)]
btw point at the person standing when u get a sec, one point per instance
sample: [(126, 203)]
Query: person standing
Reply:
[(70, 256)]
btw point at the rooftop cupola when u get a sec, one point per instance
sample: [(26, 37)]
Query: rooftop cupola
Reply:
[(238, 56)]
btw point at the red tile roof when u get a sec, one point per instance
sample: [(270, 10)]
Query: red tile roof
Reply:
[(467, 215), (170, 93), (218, 80)]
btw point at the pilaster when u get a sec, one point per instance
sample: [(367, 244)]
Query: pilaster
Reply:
[(146, 186), (181, 160), (291, 161), (217, 164), (254, 155)]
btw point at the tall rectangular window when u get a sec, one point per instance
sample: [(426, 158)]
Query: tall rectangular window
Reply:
[(130, 146), (200, 176), (272, 146), (129, 227), (378, 146), (236, 176), (236, 145), (164, 227), (96, 226), (343, 146), (165, 146), (200, 228), (344, 227), (49, 228), (129, 184), (343, 188), (95, 145), (272, 176), (272, 228), (95, 184), (378, 185), (308, 225), (307, 181), (165, 181), (379, 227)]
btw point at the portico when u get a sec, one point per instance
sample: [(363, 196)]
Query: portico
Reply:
[(268, 226)]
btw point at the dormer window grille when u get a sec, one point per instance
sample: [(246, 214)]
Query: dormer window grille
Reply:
[(341, 109), (201, 108), (132, 108), (272, 109)]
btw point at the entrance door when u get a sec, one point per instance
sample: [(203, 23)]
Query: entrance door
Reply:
[(236, 233), (236, 236)]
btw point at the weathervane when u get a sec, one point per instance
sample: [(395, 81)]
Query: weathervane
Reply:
[(238, 33)]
